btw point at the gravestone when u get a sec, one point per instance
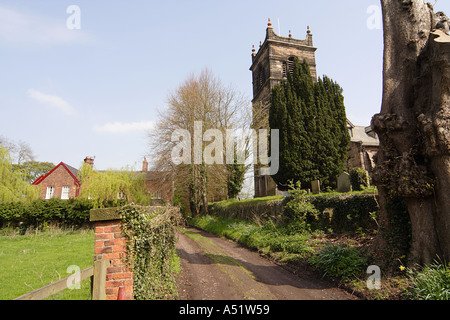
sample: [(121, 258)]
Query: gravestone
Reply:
[(315, 186), (343, 183)]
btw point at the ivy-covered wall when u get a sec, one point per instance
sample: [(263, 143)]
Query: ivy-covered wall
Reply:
[(341, 213)]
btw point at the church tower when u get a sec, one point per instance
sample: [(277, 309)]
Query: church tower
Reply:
[(270, 65), (275, 58)]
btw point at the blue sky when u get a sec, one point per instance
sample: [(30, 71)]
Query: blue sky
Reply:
[(94, 91)]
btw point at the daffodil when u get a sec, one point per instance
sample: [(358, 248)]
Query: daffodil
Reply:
[(402, 268)]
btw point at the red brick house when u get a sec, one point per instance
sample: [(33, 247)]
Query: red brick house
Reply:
[(60, 183)]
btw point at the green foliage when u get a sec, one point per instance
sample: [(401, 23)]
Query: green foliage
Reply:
[(359, 178), (41, 213), (111, 187), (268, 237), (341, 213), (431, 283), (151, 250), (31, 170), (13, 186), (236, 178), (313, 132), (346, 213), (339, 261), (299, 212)]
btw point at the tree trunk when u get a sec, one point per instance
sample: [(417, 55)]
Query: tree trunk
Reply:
[(414, 125)]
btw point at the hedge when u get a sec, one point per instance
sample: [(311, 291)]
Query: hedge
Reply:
[(341, 213), (349, 212), (66, 213)]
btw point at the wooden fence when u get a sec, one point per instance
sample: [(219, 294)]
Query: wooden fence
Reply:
[(97, 273)]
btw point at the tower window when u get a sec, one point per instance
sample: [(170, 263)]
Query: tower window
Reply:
[(288, 65), (261, 77)]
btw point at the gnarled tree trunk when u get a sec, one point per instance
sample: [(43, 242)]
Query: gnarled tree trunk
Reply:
[(414, 125)]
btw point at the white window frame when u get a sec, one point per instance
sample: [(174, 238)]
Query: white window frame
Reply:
[(65, 192), (50, 192)]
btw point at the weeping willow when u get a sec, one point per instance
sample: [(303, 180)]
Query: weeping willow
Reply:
[(112, 187), (13, 187)]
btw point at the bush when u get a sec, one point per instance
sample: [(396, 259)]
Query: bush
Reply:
[(339, 261), (299, 212)]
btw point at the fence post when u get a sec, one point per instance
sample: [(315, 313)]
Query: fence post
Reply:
[(99, 280)]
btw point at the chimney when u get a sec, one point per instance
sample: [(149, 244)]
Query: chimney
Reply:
[(89, 160), (144, 165)]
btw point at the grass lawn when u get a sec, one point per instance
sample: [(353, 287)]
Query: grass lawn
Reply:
[(29, 262)]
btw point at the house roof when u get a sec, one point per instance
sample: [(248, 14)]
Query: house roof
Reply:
[(72, 171)]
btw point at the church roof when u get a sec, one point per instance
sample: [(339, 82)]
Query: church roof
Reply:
[(364, 135)]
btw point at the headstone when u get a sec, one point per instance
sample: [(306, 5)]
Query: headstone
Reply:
[(315, 186), (343, 183)]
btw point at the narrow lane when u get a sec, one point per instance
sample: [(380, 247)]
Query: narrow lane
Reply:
[(218, 269)]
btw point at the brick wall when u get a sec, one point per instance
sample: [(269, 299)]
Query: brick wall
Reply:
[(110, 244)]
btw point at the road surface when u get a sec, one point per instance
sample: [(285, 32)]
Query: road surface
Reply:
[(213, 268)]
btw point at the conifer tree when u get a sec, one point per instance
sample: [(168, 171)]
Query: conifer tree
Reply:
[(313, 131)]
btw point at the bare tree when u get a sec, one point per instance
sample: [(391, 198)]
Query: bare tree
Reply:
[(200, 99), (413, 163), (20, 151)]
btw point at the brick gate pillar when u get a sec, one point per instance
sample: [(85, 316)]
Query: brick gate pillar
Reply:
[(110, 244)]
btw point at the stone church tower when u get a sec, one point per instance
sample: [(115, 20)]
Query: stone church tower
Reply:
[(269, 67)]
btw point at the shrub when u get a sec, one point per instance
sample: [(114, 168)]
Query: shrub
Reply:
[(339, 261), (299, 212)]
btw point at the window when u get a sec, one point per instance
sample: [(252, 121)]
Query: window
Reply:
[(288, 66), (50, 193), (65, 193), (260, 78)]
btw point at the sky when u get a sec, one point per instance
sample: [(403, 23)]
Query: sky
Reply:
[(90, 78)]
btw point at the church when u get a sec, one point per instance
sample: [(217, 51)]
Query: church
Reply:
[(270, 65)]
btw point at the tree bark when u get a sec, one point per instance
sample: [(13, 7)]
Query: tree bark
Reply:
[(414, 125)]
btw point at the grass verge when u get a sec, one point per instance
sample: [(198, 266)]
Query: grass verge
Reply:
[(339, 257)]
